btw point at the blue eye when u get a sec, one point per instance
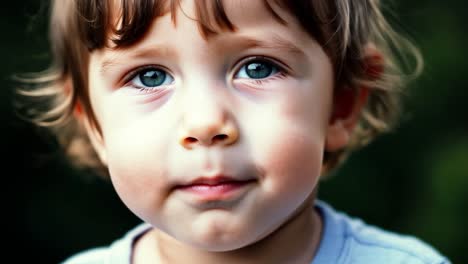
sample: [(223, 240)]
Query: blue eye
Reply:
[(257, 69), (152, 77)]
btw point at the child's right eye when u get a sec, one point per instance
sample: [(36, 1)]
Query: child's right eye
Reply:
[(150, 78)]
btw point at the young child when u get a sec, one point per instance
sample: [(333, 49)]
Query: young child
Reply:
[(215, 121)]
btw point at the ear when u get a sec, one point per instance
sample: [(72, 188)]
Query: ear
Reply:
[(347, 106), (89, 123), (95, 136), (348, 103)]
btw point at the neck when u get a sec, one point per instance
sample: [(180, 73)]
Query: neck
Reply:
[(298, 238)]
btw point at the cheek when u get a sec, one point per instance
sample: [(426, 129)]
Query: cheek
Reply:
[(292, 135), (291, 160), (289, 143), (137, 171), (289, 151), (294, 161)]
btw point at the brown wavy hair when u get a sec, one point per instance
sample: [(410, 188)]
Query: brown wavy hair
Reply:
[(344, 28)]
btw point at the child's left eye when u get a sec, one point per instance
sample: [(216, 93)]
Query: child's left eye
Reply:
[(257, 69)]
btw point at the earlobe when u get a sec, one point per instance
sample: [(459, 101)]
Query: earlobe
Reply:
[(337, 136)]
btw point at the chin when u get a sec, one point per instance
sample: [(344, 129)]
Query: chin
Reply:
[(223, 246), (219, 238)]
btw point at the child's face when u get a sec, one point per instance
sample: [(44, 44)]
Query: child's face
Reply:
[(179, 112)]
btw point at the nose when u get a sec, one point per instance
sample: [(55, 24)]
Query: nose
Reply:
[(207, 124)]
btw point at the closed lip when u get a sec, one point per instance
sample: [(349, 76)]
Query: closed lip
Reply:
[(213, 181)]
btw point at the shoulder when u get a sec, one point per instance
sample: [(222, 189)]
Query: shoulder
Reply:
[(374, 244), (91, 256), (363, 243), (120, 251)]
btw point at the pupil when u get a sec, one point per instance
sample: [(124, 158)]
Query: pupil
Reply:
[(259, 70), (152, 78)]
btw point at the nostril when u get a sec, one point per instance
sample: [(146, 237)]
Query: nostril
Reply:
[(190, 140), (220, 137)]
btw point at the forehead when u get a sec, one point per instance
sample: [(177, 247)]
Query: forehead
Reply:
[(131, 19), (233, 11)]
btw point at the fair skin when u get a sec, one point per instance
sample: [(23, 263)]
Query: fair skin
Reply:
[(210, 116)]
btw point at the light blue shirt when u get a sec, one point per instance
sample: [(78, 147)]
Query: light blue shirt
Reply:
[(344, 240), (350, 240)]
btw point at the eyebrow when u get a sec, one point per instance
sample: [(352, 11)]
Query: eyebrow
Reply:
[(154, 52), (276, 42)]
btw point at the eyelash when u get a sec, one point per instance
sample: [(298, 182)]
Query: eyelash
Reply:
[(279, 73), (134, 73)]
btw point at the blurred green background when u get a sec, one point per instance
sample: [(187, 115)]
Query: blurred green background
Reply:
[(414, 180)]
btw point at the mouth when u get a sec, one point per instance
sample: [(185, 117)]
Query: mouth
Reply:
[(216, 188)]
